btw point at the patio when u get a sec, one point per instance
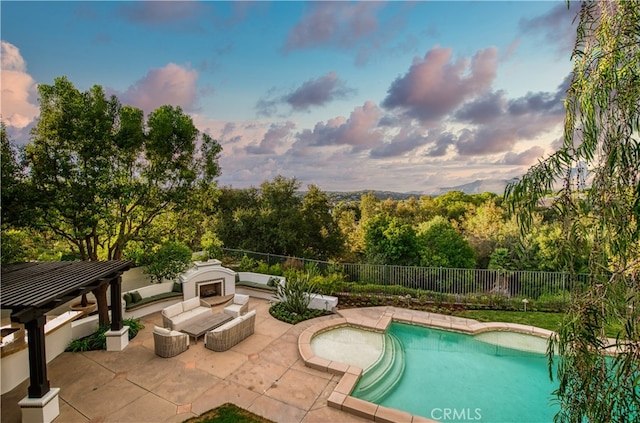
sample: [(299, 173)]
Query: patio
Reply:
[(263, 374)]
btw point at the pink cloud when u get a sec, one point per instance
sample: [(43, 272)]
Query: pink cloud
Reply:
[(173, 84), (526, 158), (360, 131), (435, 86), (19, 90), (273, 138), (331, 23)]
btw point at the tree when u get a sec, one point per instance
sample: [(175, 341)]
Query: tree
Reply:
[(387, 241), (601, 148), (442, 246), (99, 175), (322, 233), (168, 261)]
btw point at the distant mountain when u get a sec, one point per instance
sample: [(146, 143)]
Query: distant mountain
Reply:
[(478, 186)]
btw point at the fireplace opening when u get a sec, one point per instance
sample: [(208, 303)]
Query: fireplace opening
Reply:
[(210, 289)]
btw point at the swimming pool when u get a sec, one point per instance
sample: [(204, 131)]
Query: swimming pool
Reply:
[(455, 377), (491, 372)]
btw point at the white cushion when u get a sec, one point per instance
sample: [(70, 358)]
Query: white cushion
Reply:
[(161, 331), (240, 299), (173, 310), (190, 304)]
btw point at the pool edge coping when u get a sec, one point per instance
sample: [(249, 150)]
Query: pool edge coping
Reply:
[(341, 399)]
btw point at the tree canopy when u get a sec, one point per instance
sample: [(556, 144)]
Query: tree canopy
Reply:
[(98, 175)]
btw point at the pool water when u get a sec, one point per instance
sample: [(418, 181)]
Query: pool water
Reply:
[(453, 377)]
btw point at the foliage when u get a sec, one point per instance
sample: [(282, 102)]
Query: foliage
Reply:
[(601, 148), (247, 264), (387, 241), (98, 176), (211, 244), (281, 312), (442, 246), (275, 219), (228, 413), (98, 339), (295, 293), (168, 261)]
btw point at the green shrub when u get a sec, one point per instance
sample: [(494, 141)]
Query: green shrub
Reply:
[(262, 267), (167, 262), (275, 269), (295, 293), (98, 339), (282, 313), (247, 264), (200, 256)]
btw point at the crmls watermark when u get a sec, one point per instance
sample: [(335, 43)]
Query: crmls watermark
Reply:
[(459, 414)]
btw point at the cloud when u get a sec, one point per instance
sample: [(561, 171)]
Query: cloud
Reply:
[(434, 87), (408, 139), (182, 14), (483, 109), (358, 131), (172, 84), (274, 137), (317, 92), (335, 24), (526, 158), (554, 26), (312, 93), (19, 91)]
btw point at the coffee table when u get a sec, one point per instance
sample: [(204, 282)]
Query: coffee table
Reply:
[(204, 325)]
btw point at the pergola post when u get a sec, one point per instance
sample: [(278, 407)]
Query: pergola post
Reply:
[(37, 357), (41, 403), (118, 336)]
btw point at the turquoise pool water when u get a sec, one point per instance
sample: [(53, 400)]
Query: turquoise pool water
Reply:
[(452, 377)]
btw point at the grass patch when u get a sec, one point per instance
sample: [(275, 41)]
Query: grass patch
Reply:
[(550, 321), (228, 413)]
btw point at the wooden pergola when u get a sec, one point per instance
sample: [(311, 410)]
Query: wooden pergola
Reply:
[(31, 290)]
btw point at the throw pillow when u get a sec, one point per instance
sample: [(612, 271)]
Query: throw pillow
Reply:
[(177, 287), (127, 299), (136, 297)]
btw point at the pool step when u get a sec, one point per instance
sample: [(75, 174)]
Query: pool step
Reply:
[(383, 375)]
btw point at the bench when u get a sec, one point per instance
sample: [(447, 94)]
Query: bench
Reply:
[(257, 285), (153, 298)]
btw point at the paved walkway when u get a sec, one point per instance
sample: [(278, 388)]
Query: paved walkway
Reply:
[(263, 374)]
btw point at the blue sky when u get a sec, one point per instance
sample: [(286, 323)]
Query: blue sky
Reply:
[(402, 96)]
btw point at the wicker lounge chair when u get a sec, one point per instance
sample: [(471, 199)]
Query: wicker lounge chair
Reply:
[(231, 333), (239, 306), (169, 343)]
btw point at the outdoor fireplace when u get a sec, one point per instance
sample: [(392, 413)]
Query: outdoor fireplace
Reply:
[(211, 288), (207, 279)]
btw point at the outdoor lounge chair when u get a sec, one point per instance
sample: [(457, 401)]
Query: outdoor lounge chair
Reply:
[(169, 343), (239, 306)]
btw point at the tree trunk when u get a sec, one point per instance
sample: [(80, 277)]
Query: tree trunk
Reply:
[(103, 306)]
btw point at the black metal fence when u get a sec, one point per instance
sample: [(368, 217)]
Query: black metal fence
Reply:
[(463, 282)]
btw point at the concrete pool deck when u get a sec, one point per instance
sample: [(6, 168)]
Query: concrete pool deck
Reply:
[(265, 374)]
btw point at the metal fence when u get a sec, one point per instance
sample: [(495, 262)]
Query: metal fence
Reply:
[(463, 282)]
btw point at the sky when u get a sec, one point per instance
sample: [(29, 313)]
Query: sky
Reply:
[(396, 96)]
